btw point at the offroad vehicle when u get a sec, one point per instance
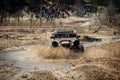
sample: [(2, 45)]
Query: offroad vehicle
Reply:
[(68, 39)]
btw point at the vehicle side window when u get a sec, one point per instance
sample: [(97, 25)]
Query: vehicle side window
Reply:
[(72, 35)]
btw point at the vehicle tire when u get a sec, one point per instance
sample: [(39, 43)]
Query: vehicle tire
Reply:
[(81, 48), (76, 43), (54, 44)]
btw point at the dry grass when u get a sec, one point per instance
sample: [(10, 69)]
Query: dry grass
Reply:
[(113, 49), (24, 39), (105, 50), (8, 43)]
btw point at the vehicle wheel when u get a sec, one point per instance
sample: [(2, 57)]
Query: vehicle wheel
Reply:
[(81, 48), (54, 44), (76, 43)]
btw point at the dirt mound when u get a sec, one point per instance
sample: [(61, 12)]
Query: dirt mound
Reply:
[(98, 73), (43, 75)]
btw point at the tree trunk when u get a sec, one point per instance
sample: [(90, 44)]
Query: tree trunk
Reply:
[(40, 21), (18, 20), (31, 21), (1, 17), (8, 18), (5, 16)]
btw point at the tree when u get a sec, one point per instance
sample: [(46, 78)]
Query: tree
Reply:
[(100, 2), (111, 9)]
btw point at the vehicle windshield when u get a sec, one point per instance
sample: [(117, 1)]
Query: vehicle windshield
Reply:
[(65, 35)]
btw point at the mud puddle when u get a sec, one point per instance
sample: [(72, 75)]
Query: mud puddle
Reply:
[(97, 43), (28, 61)]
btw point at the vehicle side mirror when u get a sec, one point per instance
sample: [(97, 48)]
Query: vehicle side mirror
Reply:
[(52, 37)]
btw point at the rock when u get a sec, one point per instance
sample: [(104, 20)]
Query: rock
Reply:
[(24, 76), (4, 36), (8, 37)]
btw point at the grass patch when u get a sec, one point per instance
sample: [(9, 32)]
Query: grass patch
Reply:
[(105, 50), (8, 43), (113, 49), (22, 40)]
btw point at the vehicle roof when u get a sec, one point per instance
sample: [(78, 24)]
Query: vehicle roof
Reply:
[(65, 32)]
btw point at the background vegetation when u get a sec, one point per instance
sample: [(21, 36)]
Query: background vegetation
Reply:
[(10, 7)]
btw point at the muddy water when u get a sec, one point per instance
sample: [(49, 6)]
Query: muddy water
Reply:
[(23, 58), (97, 43), (28, 61)]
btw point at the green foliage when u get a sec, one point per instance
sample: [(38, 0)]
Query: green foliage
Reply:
[(28, 1), (100, 2), (95, 2)]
